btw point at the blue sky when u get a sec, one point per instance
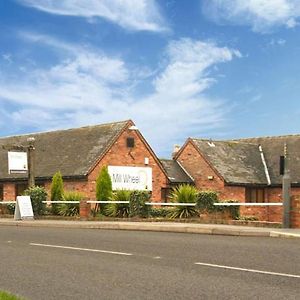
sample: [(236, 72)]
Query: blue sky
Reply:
[(216, 69)]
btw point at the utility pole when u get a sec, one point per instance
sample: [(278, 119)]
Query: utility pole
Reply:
[(30, 159), (286, 189)]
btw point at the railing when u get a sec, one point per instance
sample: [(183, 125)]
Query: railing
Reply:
[(247, 204)]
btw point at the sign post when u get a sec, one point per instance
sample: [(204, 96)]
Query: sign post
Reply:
[(286, 190), (23, 208)]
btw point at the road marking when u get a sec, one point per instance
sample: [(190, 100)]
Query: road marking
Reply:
[(81, 249), (247, 270)]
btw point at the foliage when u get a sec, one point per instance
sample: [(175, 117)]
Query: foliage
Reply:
[(206, 200), (8, 296), (159, 212), (248, 218), (37, 195), (70, 209), (103, 187), (57, 191), (119, 210), (137, 204), (234, 210), (184, 193), (10, 208)]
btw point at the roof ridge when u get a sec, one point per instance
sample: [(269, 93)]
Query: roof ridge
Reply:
[(271, 136), (66, 129), (225, 141)]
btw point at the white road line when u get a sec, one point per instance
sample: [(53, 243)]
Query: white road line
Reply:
[(81, 249), (248, 270)]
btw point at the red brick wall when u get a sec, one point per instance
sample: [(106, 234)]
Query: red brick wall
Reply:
[(200, 170), (9, 192), (120, 155), (295, 212)]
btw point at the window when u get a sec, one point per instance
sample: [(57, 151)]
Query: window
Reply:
[(130, 142), (255, 195), (20, 188), (1, 192)]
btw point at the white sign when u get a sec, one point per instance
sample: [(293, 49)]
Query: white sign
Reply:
[(17, 162), (131, 178), (23, 208)]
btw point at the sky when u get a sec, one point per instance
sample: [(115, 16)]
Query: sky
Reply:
[(220, 69)]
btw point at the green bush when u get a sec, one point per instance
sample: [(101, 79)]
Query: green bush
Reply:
[(37, 195), (206, 200), (8, 296), (137, 204), (118, 210), (103, 188), (70, 209), (57, 191), (159, 212), (184, 193), (234, 210), (10, 208)]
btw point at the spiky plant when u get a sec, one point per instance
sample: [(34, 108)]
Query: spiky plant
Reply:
[(70, 209), (118, 210), (184, 193)]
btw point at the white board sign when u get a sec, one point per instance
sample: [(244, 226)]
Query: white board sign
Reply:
[(131, 178), (17, 162), (23, 209)]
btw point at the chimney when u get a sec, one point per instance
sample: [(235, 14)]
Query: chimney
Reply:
[(175, 150)]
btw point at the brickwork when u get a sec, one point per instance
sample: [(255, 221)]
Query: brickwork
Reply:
[(202, 172), (9, 192), (120, 155), (295, 211)]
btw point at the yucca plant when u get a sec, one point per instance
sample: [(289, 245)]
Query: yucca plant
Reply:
[(118, 210), (184, 193), (70, 209)]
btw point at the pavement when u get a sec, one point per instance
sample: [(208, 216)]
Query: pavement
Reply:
[(213, 229)]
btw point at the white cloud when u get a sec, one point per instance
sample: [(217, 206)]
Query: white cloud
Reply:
[(88, 87), (130, 14), (261, 15)]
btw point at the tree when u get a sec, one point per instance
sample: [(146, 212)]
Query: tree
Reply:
[(57, 191), (103, 187)]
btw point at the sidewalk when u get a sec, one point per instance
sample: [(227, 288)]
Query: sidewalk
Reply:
[(214, 229)]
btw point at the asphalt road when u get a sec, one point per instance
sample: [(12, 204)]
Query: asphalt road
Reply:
[(48, 263)]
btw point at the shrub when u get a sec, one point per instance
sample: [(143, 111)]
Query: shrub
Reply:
[(37, 195), (137, 204), (234, 210), (206, 200), (120, 210), (184, 193), (70, 209), (57, 191), (159, 212), (10, 208), (103, 188)]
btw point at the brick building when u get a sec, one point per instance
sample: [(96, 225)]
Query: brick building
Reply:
[(79, 155), (245, 170)]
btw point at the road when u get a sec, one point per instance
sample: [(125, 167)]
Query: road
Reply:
[(53, 263)]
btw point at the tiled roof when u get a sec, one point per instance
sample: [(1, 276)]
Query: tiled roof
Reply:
[(237, 162), (72, 151), (273, 148), (175, 172), (240, 162)]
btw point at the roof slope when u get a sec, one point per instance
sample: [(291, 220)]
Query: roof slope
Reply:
[(236, 162), (174, 171), (273, 148), (72, 151)]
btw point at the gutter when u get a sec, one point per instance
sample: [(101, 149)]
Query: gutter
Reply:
[(265, 164)]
